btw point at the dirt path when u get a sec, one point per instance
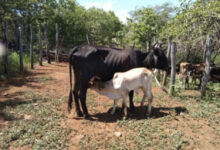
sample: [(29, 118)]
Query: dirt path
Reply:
[(53, 80)]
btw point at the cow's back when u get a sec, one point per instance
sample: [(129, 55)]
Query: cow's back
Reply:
[(104, 62)]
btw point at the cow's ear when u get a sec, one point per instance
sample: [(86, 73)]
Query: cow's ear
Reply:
[(157, 46), (153, 47)]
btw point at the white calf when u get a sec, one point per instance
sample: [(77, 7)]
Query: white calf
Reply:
[(124, 82)]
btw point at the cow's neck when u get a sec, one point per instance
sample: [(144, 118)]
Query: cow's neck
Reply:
[(142, 58)]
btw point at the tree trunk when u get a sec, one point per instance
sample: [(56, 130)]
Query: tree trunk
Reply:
[(16, 34), (31, 47), (40, 46), (173, 68), (21, 47), (46, 42), (57, 44), (148, 42), (155, 40), (87, 38), (207, 66), (188, 52), (133, 47), (168, 56), (6, 46)]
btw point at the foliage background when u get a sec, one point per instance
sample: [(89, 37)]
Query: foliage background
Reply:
[(188, 25)]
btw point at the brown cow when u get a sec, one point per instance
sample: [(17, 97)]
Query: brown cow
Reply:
[(195, 71)]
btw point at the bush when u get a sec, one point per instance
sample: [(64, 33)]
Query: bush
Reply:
[(14, 64)]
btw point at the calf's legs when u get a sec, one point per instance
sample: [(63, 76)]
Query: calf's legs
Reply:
[(125, 107), (150, 100), (114, 107), (131, 94)]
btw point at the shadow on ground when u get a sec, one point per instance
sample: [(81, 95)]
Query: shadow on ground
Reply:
[(24, 79), (138, 114)]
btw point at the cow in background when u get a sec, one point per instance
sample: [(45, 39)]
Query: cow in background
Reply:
[(184, 73), (88, 61), (215, 74), (195, 71)]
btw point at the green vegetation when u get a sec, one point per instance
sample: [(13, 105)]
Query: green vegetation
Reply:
[(14, 63), (187, 24)]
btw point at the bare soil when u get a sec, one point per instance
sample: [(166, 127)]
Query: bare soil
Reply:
[(56, 84)]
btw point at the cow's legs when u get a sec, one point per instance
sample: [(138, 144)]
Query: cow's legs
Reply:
[(76, 97), (83, 91), (187, 82), (131, 94), (114, 107)]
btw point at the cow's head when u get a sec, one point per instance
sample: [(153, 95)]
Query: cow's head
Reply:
[(156, 59)]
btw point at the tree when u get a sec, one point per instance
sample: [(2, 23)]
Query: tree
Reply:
[(105, 27), (194, 20)]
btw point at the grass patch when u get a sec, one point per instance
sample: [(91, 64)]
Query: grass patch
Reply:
[(103, 141), (152, 134), (41, 131)]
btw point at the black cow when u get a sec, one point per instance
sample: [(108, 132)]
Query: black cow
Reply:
[(89, 61)]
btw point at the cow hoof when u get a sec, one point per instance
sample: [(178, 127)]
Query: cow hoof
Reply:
[(79, 114), (132, 109), (87, 116)]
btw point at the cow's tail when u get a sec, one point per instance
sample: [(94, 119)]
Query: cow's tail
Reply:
[(158, 83), (70, 101)]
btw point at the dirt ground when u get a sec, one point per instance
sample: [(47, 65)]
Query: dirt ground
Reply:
[(103, 125)]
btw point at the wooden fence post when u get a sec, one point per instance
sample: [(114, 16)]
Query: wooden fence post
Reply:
[(40, 46), (168, 57), (207, 65), (46, 42), (21, 47), (6, 46), (16, 34), (31, 47), (173, 67), (87, 38), (57, 44), (148, 42)]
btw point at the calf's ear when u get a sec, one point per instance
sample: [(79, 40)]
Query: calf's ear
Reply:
[(117, 81)]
